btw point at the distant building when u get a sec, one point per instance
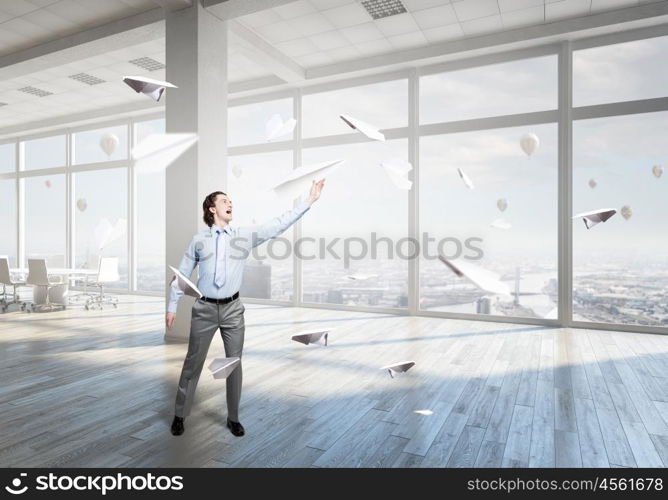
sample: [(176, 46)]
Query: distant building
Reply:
[(256, 280), (483, 305)]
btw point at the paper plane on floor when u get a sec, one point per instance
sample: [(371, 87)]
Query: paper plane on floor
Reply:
[(148, 86), (223, 367), (181, 282), (368, 130), (398, 368), (312, 336), (595, 216)]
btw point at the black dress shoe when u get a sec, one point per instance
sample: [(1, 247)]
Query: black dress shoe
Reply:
[(236, 428), (177, 426)]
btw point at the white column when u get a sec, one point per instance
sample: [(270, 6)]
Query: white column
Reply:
[(196, 58)]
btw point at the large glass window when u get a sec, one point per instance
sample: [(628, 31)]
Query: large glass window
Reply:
[(45, 152), (269, 271), (620, 72), (150, 231), (506, 224), (363, 208), (620, 267), (384, 105), (7, 157), (101, 219), (498, 89), (8, 220), (247, 124), (103, 144), (45, 218)]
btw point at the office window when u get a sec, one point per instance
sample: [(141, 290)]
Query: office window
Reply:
[(45, 218), (497, 89), (384, 105), (368, 213), (46, 152), (100, 219), (150, 206), (620, 267), (246, 124), (103, 144), (620, 72), (7, 157), (269, 271), (8, 220), (507, 224)]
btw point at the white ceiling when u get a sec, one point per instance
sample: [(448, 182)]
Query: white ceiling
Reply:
[(311, 33)]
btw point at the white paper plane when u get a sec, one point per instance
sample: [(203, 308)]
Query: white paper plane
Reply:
[(276, 127), (184, 284), (595, 216), (299, 180), (360, 277), (148, 86), (397, 170), (368, 130), (105, 233), (158, 151), (318, 336), (501, 224), (223, 367), (482, 278), (465, 178), (424, 412), (398, 368)]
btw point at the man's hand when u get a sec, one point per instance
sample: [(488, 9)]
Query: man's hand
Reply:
[(169, 320), (316, 188)]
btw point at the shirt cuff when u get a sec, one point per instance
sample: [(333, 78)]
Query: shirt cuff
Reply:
[(171, 308)]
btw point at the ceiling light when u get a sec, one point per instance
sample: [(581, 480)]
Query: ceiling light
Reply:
[(379, 9), (147, 63), (35, 91), (86, 78)]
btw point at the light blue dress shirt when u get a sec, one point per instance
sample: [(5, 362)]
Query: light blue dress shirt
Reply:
[(229, 247)]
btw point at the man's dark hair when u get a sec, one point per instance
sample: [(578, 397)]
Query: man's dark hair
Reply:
[(210, 202)]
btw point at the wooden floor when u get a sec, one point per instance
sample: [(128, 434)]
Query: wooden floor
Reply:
[(96, 389)]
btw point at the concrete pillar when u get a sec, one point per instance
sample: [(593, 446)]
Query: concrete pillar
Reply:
[(196, 58)]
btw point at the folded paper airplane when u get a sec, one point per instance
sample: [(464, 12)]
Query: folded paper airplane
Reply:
[(223, 367), (312, 337), (181, 282), (158, 151), (465, 178), (482, 278), (299, 181), (105, 233), (368, 130), (595, 216), (148, 86), (397, 170), (398, 368), (276, 127), (501, 224)]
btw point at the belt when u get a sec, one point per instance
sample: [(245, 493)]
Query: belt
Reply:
[(221, 301)]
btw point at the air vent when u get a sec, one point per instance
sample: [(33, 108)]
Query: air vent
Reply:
[(35, 91), (379, 9), (86, 78), (147, 63)]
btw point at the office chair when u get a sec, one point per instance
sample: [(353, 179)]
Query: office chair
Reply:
[(84, 280), (107, 273), (38, 276), (6, 280)]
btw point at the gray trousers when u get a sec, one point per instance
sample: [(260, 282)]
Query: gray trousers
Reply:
[(207, 317)]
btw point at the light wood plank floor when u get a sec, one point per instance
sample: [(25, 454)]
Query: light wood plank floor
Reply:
[(96, 389)]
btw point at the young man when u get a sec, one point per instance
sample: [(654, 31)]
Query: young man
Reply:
[(220, 251)]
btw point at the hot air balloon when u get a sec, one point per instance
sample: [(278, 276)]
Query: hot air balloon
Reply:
[(502, 204), (236, 170), (592, 183), (529, 143), (82, 204), (626, 212), (657, 170), (108, 143), (47, 183)]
